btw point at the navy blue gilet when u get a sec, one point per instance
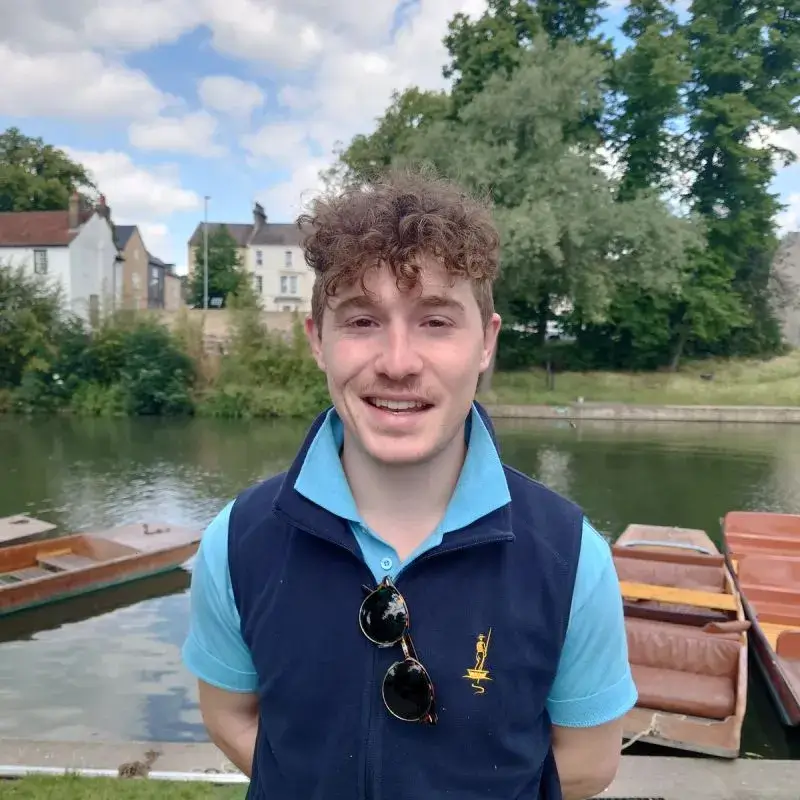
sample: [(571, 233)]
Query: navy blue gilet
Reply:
[(324, 733)]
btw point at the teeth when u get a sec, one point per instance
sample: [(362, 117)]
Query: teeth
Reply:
[(397, 405)]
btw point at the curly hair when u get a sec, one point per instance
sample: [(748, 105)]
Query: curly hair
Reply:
[(395, 221)]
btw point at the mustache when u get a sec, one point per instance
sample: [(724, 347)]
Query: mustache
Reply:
[(412, 387)]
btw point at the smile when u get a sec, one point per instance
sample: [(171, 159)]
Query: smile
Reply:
[(397, 406)]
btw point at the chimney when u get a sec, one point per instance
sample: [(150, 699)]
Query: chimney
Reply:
[(74, 211), (259, 217), (102, 209)]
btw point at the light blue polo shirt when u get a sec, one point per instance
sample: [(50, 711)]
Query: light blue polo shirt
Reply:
[(594, 682)]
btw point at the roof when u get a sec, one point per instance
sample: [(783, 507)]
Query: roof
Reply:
[(278, 233), (35, 229), (240, 232), (122, 234), (283, 234)]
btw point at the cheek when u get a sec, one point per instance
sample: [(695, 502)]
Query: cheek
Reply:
[(345, 360)]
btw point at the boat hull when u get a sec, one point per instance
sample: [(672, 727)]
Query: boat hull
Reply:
[(785, 698)]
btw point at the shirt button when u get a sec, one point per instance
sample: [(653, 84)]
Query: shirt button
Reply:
[(386, 563)]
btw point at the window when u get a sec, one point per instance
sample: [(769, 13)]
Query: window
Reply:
[(287, 258), (287, 308), (258, 284), (284, 284), (259, 258), (40, 262), (293, 284)]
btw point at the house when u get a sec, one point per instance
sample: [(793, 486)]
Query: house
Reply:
[(272, 254), (147, 281), (73, 249)]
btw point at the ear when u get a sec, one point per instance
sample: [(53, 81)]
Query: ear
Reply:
[(314, 337), (490, 335)]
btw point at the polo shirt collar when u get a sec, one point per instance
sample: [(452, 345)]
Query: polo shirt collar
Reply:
[(481, 489)]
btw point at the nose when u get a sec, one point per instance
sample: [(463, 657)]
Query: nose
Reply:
[(399, 357)]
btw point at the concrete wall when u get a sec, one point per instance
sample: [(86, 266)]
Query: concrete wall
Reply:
[(216, 323)]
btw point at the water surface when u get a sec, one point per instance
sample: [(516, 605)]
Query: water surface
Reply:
[(108, 665)]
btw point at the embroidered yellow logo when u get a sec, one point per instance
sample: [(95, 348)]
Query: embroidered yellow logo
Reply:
[(479, 672)]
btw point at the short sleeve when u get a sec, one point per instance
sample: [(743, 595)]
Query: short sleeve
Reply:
[(594, 683), (214, 650)]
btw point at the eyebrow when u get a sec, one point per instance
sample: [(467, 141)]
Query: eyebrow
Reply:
[(363, 303)]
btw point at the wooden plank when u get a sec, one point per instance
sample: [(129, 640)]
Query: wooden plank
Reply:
[(28, 573), (772, 631), (66, 562), (671, 594)]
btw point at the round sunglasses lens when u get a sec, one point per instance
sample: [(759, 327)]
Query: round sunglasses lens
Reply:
[(384, 616), (407, 690)]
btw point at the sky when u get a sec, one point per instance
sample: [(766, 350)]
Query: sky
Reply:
[(169, 101)]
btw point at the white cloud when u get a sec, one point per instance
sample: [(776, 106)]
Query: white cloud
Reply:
[(286, 200), (283, 142), (229, 95), (76, 84), (192, 134), (135, 194)]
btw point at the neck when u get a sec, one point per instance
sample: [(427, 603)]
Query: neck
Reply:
[(404, 503)]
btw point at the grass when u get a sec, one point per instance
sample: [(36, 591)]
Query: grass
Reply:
[(775, 382), (76, 788)]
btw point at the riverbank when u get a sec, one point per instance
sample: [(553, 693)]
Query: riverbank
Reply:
[(666, 778), (622, 412), (740, 382)]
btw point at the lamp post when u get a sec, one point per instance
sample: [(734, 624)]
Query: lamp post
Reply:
[(205, 253)]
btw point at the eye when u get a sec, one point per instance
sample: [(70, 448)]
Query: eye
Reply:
[(438, 322), (359, 322)]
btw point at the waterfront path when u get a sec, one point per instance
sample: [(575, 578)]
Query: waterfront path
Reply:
[(626, 412), (639, 776)]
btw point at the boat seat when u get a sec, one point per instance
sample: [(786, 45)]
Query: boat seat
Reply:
[(65, 562), (26, 574), (683, 670), (685, 576)]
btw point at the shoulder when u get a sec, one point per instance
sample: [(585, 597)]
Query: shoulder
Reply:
[(546, 516), (595, 564), (253, 504)]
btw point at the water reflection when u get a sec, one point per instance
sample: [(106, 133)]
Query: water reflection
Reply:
[(108, 665)]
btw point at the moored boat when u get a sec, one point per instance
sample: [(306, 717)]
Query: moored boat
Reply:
[(763, 550), (51, 570), (21, 528), (687, 640)]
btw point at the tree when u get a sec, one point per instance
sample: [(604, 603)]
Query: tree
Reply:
[(650, 75), (745, 79), (225, 270), (566, 237), (35, 176), (368, 156)]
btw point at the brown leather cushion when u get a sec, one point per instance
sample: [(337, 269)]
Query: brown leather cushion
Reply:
[(671, 690), (677, 647), (687, 576)]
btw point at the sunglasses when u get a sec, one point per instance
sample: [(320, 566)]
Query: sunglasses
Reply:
[(407, 688)]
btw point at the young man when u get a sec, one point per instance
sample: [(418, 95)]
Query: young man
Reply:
[(399, 616)]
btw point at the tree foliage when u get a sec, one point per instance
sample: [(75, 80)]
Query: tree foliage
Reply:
[(673, 255), (226, 272), (35, 176)]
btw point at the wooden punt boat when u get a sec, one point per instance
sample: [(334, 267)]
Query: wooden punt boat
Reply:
[(764, 551), (42, 572), (687, 641)]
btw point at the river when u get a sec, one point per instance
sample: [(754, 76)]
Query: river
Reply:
[(108, 666)]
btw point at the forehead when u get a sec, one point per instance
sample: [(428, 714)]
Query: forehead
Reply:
[(381, 285)]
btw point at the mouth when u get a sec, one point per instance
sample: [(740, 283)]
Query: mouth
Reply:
[(398, 406)]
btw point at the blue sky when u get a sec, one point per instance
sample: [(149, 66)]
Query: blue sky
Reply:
[(166, 101)]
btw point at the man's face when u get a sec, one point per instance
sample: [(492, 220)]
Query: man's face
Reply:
[(402, 367)]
